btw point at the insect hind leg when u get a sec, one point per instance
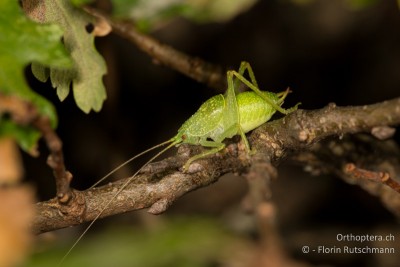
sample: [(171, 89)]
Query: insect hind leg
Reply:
[(259, 92), (245, 66)]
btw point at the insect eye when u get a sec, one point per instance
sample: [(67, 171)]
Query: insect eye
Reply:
[(183, 136)]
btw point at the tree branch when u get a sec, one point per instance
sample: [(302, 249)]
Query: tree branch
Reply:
[(159, 187), (146, 191)]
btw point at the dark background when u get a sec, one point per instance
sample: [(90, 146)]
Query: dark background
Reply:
[(325, 52)]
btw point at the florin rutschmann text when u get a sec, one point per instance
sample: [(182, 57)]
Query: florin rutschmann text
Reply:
[(347, 245), (353, 250)]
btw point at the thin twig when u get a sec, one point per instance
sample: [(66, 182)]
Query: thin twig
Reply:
[(193, 67), (24, 113), (329, 156), (378, 177)]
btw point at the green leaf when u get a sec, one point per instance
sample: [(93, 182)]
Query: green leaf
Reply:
[(216, 10), (352, 4), (41, 72), (21, 42), (151, 12), (26, 136), (88, 65), (81, 2)]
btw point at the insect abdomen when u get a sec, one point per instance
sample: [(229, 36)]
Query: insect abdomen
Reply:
[(253, 110)]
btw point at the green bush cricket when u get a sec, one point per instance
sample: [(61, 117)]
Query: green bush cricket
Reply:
[(220, 117)]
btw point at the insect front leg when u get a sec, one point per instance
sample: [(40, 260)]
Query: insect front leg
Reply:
[(215, 147)]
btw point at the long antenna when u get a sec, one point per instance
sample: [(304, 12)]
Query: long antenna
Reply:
[(116, 194), (129, 160)]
